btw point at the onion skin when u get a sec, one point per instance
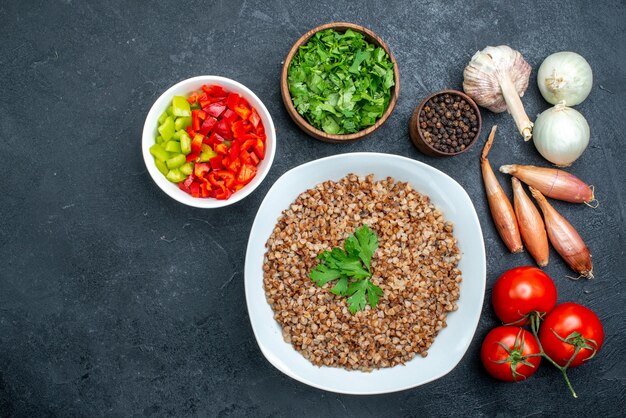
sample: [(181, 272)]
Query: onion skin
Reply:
[(552, 182), (564, 238), (501, 210), (565, 77), (531, 226), (561, 134)]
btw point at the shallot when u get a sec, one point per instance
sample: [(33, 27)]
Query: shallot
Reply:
[(499, 204), (531, 225), (564, 238), (553, 183)]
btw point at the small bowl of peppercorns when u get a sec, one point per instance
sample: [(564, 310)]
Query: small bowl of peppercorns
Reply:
[(446, 123)]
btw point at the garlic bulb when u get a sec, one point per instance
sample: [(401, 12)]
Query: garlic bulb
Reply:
[(565, 77), (496, 78)]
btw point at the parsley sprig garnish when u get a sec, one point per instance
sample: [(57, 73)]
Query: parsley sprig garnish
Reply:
[(351, 267)]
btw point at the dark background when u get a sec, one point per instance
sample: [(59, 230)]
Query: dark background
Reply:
[(116, 300)]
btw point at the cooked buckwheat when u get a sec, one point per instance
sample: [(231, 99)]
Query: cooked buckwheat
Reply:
[(415, 266)]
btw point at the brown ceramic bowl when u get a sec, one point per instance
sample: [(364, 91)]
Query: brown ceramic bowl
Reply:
[(372, 38), (416, 132)]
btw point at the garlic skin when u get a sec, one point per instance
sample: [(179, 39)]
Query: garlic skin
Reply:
[(496, 78)]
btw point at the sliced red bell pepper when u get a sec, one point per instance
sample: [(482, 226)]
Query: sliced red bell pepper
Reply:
[(240, 128), (207, 125), (205, 188), (230, 115), (242, 111), (255, 159), (223, 193), (188, 181), (220, 148), (260, 131), (190, 131), (201, 169), (195, 120), (235, 165), (232, 100), (202, 115), (223, 129), (182, 187), (234, 149), (256, 145), (222, 178), (243, 102), (246, 173), (216, 163), (192, 157), (259, 149), (248, 144), (245, 157), (196, 144), (254, 118), (193, 97), (214, 139), (214, 90), (195, 189), (215, 109)]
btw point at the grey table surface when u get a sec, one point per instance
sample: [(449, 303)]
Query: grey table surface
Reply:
[(116, 300)]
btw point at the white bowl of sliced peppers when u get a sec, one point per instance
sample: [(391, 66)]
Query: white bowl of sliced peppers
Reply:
[(208, 141)]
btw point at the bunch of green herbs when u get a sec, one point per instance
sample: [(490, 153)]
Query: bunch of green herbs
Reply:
[(339, 82), (351, 267)]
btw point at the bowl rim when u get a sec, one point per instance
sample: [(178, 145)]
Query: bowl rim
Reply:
[(250, 292), (147, 139), (415, 120), (303, 123)]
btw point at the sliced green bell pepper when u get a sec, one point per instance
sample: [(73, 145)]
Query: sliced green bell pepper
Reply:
[(182, 123), (180, 106), (162, 167), (162, 118), (206, 154), (175, 176), (186, 168), (185, 143), (176, 161), (159, 153), (172, 146), (166, 129)]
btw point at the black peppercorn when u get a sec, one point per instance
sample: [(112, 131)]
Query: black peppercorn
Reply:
[(448, 123)]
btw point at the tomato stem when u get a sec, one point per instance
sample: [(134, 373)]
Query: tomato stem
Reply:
[(535, 321)]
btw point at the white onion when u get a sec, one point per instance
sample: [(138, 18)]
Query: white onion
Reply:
[(565, 77), (561, 134)]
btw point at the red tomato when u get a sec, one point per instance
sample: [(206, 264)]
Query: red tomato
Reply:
[(521, 291), (567, 327), (510, 364)]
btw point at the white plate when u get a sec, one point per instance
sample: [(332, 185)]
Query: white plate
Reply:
[(451, 343)]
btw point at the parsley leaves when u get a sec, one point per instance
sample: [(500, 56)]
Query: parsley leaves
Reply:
[(351, 267), (339, 82)]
